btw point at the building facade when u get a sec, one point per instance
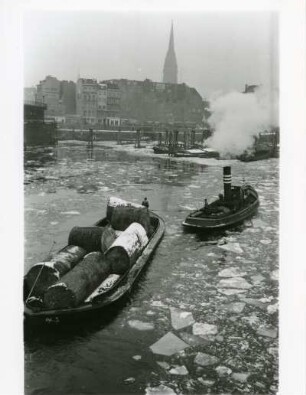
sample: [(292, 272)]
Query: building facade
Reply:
[(155, 102), (49, 93), (29, 94), (68, 96), (86, 100)]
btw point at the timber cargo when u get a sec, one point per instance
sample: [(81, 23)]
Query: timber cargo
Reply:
[(91, 285)]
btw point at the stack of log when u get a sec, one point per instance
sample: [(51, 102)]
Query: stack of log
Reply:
[(93, 254), (126, 248), (122, 214), (43, 274), (77, 284)]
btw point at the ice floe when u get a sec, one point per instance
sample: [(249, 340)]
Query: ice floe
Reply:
[(254, 302), (168, 345), (257, 279), (70, 212), (232, 247), (192, 340), (258, 223), (242, 377), (266, 241), (137, 357), (229, 292), (158, 303), (223, 371), (234, 282), (163, 365), (202, 329), (272, 308), (267, 332), (274, 275), (207, 383), (130, 380), (203, 359), (236, 307), (180, 319), (231, 272), (140, 325), (252, 320), (179, 370), (160, 390)]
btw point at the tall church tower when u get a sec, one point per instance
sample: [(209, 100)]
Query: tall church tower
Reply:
[(170, 65)]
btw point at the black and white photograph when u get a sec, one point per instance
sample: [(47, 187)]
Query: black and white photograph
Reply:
[(151, 147)]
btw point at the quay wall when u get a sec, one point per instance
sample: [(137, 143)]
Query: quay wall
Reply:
[(112, 135)]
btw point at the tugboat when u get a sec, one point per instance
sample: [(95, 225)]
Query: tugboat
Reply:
[(237, 204)]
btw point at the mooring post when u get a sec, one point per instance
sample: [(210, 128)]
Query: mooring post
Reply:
[(202, 139), (160, 138)]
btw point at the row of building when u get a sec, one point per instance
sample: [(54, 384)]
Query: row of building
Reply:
[(117, 102)]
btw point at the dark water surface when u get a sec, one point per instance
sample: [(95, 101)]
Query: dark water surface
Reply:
[(68, 186)]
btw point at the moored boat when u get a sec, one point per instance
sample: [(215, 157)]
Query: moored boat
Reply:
[(109, 291), (237, 204), (198, 153)]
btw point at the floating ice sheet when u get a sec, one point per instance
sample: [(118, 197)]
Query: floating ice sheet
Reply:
[(236, 307), (232, 247), (267, 332), (204, 329), (179, 370), (223, 371), (234, 282), (229, 292), (231, 272), (242, 377), (168, 345), (160, 390), (140, 325), (205, 359), (180, 319)]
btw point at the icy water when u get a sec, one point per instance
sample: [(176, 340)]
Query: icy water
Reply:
[(228, 292)]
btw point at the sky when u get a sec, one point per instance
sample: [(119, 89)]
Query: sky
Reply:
[(217, 52)]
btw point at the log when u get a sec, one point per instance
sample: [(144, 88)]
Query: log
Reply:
[(123, 217), (47, 273), (87, 237), (73, 288), (126, 249), (113, 202), (107, 239)]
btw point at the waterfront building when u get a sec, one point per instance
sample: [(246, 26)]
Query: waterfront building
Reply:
[(37, 130), (113, 100), (68, 96), (98, 103), (154, 102), (29, 94), (86, 100), (49, 93), (170, 65), (102, 104)]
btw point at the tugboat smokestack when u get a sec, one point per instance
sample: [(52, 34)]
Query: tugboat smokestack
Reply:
[(227, 181)]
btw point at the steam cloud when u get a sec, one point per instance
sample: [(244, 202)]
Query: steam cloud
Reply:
[(238, 117)]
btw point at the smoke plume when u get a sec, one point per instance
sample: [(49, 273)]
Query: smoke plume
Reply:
[(238, 117)]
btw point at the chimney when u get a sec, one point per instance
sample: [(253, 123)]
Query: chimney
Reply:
[(227, 181)]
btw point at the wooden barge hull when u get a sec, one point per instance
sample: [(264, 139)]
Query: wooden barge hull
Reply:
[(112, 296)]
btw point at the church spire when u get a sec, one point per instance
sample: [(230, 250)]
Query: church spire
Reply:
[(170, 65)]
